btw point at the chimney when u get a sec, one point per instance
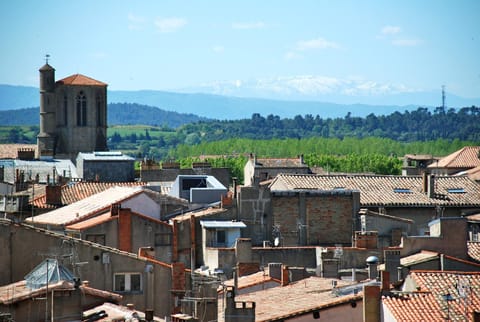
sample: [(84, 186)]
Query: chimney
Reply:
[(385, 279), (392, 262), (424, 182), (125, 230), (284, 280), (371, 303), (115, 209), (243, 250), (431, 186), (275, 270), (372, 262), (53, 195)]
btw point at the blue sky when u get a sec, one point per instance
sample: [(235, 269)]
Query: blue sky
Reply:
[(354, 47)]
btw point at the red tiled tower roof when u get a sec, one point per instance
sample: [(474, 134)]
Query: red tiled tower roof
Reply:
[(79, 79)]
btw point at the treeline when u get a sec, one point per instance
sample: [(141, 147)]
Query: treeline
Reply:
[(418, 125), (347, 155)]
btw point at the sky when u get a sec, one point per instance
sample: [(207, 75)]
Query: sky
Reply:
[(366, 47)]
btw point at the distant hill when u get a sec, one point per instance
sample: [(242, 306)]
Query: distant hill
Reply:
[(209, 105), (118, 114)]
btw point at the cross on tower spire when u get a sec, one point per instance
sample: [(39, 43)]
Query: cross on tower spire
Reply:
[(47, 56)]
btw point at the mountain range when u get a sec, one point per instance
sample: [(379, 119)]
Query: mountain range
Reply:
[(286, 104)]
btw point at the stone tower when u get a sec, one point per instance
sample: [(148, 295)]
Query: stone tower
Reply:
[(46, 139), (73, 115)]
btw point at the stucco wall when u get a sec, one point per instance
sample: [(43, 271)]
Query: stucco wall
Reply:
[(97, 264)]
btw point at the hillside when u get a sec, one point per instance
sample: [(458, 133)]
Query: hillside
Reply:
[(212, 106), (118, 114)]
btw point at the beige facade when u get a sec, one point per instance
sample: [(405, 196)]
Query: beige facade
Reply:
[(73, 115)]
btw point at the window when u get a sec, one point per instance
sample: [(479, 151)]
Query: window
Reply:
[(99, 239), (127, 282), (163, 239), (65, 110), (99, 111), (221, 237), (81, 109)]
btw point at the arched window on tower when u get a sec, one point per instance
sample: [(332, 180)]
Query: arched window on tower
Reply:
[(81, 109), (65, 110), (100, 114)]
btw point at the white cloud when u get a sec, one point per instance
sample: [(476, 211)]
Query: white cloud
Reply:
[(406, 42), (248, 25), (135, 22), (166, 25), (218, 49), (391, 30), (319, 43)]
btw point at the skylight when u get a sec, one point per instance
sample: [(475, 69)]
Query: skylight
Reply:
[(456, 190), (402, 190)]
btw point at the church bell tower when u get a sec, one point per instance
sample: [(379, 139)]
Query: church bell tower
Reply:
[(46, 139)]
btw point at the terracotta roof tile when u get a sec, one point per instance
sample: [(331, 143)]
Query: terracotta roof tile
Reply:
[(19, 291), (376, 190), (474, 173), (474, 250), (433, 305), (302, 296), (466, 157), (79, 79), (10, 151), (77, 191), (86, 208), (280, 163), (414, 307), (254, 279)]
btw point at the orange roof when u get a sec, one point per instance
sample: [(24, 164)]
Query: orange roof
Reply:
[(381, 190), (429, 303), (474, 250), (94, 221), (258, 278), (297, 298), (474, 173), (78, 191), (280, 163), (467, 157), (10, 151), (79, 79), (414, 307)]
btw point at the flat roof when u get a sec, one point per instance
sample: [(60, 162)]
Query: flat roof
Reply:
[(222, 224)]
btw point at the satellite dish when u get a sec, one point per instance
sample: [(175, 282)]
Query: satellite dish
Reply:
[(276, 242)]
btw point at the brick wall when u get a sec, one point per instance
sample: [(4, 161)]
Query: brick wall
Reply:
[(314, 218)]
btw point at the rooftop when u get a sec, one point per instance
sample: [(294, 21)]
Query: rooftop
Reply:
[(77, 191), (280, 163), (467, 157), (86, 207), (105, 156), (307, 295), (429, 300), (376, 190), (79, 79), (10, 151)]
